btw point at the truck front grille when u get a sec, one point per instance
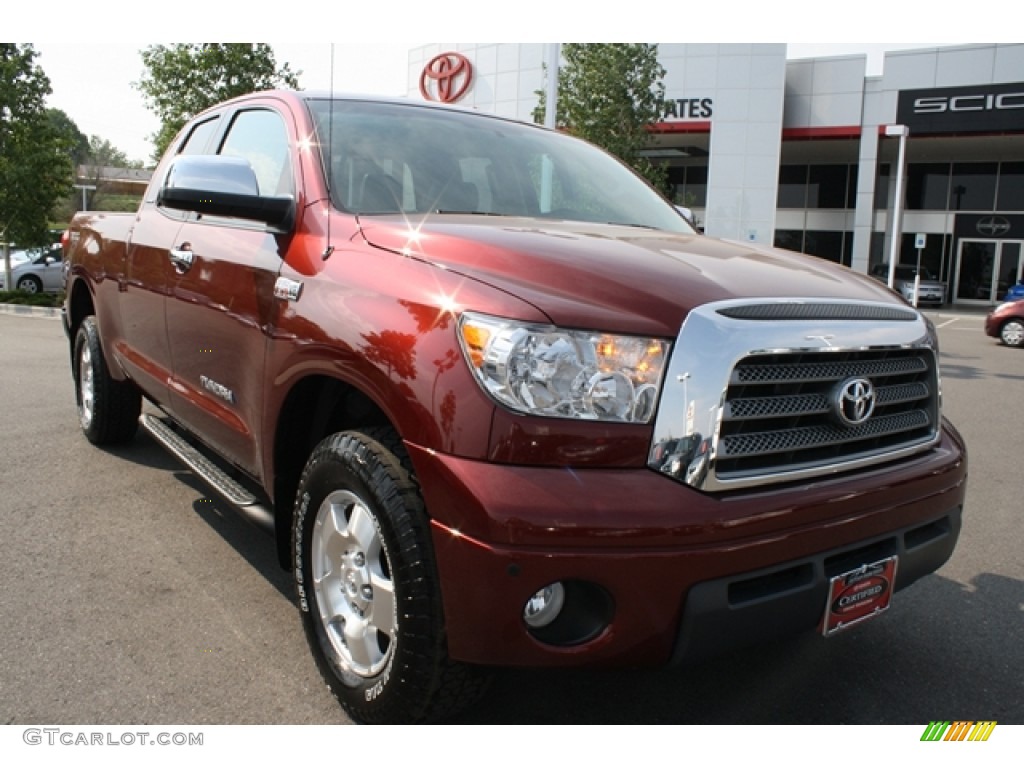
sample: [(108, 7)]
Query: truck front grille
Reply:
[(780, 410), (771, 391)]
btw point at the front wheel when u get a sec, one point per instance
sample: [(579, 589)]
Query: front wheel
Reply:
[(1012, 333), (30, 284), (367, 585)]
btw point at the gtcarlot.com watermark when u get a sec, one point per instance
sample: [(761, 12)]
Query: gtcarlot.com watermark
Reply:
[(69, 738)]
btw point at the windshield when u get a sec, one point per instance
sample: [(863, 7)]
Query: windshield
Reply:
[(19, 256), (405, 158)]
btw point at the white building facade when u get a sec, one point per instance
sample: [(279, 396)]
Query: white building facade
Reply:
[(796, 153)]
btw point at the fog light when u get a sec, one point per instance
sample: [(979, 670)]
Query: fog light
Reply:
[(544, 606)]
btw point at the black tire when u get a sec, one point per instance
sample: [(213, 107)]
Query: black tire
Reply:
[(30, 284), (1012, 332), (108, 410), (367, 585)]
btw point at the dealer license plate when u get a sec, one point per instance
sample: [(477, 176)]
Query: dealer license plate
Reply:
[(859, 595)]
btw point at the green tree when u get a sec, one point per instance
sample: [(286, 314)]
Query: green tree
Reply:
[(608, 94), (35, 159), (102, 192), (64, 125), (183, 79), (104, 154)]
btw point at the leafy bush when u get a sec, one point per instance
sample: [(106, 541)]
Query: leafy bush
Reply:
[(32, 299)]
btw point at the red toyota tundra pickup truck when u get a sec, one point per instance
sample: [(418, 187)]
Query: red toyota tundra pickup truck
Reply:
[(499, 404)]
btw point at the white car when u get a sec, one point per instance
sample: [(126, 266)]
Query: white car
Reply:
[(929, 291), (35, 270)]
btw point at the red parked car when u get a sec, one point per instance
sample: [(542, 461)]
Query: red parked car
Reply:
[(1006, 323)]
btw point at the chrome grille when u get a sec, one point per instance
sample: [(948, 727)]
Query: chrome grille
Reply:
[(797, 405), (779, 409), (815, 438), (753, 391), (824, 371)]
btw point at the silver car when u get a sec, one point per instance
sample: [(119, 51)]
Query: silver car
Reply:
[(35, 270), (930, 290)]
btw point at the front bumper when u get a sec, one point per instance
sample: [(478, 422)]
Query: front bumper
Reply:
[(687, 574), (993, 324)]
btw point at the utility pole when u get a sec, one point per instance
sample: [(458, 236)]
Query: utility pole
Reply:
[(84, 187), (897, 211)]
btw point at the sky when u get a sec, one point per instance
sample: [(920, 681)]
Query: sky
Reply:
[(92, 60)]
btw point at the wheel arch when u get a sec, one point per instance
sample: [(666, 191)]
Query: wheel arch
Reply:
[(80, 305), (316, 406)]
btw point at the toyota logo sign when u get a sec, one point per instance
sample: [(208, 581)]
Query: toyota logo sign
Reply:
[(446, 78)]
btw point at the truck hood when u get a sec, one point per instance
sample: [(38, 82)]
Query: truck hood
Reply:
[(613, 278)]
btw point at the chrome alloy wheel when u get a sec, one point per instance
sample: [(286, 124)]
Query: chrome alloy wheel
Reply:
[(352, 583), (1012, 333), (86, 387)]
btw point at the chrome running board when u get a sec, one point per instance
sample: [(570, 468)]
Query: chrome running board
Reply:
[(244, 502)]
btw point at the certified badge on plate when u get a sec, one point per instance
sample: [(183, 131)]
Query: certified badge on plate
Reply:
[(858, 595)]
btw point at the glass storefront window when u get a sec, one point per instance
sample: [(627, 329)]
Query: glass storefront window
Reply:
[(974, 279), (927, 186), (826, 245), (1011, 187), (689, 185), (697, 185), (973, 187), (882, 188), (831, 245), (827, 186), (790, 239), (792, 186)]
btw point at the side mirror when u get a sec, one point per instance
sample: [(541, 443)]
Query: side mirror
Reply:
[(687, 214), (220, 185), (49, 260)]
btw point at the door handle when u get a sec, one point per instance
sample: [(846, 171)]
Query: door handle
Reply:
[(181, 257)]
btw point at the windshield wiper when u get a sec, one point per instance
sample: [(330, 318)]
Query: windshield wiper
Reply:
[(628, 224), (467, 213)]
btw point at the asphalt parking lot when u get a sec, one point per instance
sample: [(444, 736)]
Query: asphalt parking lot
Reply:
[(127, 596)]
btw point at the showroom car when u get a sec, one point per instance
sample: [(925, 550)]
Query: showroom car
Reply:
[(930, 291)]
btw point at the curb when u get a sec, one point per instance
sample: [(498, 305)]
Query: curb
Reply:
[(29, 311)]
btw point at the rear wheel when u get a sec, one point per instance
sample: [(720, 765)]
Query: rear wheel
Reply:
[(1012, 332), (108, 410), (367, 585)]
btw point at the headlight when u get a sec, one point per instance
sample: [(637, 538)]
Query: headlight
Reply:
[(546, 371)]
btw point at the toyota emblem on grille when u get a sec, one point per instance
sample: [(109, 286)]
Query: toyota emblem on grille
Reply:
[(854, 401)]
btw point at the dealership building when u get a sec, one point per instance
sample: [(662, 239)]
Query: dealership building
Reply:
[(805, 154)]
